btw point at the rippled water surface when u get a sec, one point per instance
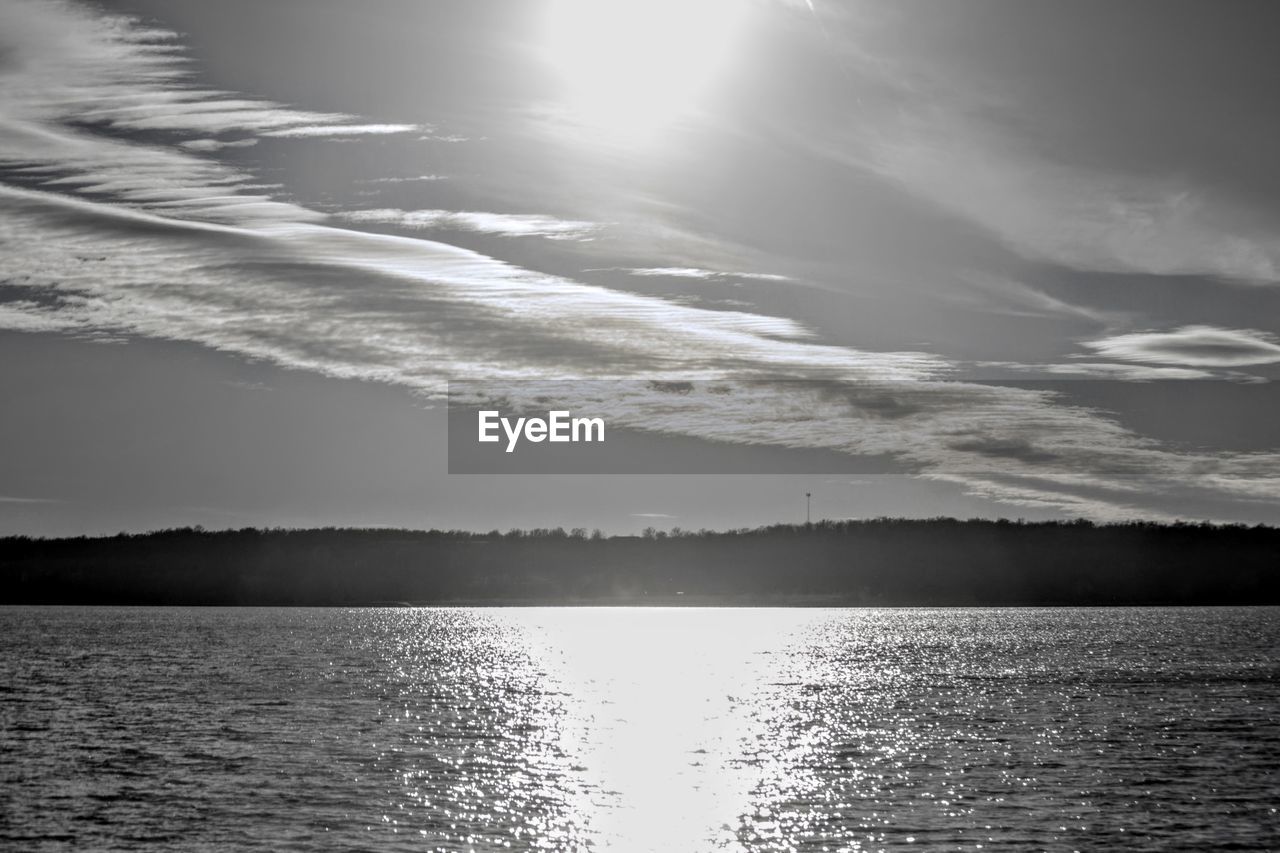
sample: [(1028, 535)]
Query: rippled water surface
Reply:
[(639, 729)]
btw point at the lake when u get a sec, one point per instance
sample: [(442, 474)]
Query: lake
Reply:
[(639, 729)]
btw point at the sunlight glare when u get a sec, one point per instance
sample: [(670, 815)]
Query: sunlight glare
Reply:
[(664, 721), (631, 66)]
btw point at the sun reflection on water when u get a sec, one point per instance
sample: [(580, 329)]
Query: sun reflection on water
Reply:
[(664, 717)]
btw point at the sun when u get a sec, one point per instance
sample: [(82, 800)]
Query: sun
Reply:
[(632, 66)]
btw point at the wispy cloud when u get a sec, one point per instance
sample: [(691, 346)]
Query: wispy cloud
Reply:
[(28, 316), (699, 274), (103, 208), (1197, 346), (1102, 370), (341, 130), (405, 180), (11, 499), (216, 144), (111, 73), (505, 224), (1002, 295), (977, 145), (272, 290), (1075, 216)]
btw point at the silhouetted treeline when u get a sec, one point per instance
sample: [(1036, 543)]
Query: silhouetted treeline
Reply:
[(882, 562)]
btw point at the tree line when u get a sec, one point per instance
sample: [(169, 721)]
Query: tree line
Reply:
[(940, 561)]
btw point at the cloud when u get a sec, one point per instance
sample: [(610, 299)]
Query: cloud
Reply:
[(1019, 449), (246, 386), (1002, 295), (505, 224), (934, 120), (411, 179), (342, 130), (216, 144), (425, 311), (30, 316), (417, 313), (109, 226), (1105, 370), (111, 73), (1196, 346), (697, 273), (1077, 217)]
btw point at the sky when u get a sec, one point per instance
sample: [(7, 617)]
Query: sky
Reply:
[(1023, 254)]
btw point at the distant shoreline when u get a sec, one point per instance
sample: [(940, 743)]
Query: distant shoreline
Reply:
[(877, 563)]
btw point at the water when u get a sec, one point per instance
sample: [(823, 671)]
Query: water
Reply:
[(639, 729)]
